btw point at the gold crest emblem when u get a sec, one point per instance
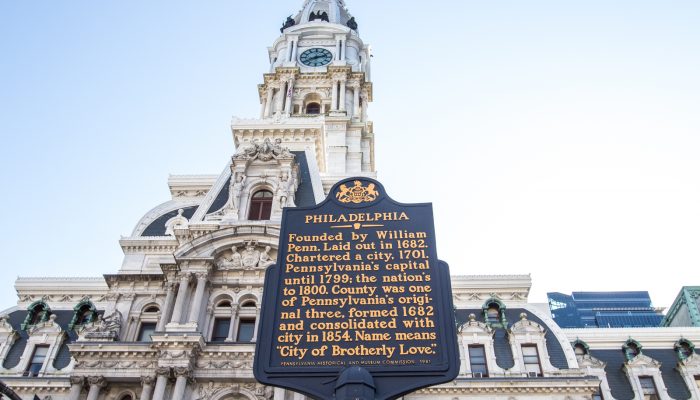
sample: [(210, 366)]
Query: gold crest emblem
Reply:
[(357, 194)]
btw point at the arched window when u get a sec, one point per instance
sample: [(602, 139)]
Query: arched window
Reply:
[(221, 331), (261, 206), (247, 313), (494, 313), (632, 349), (313, 108), (83, 313), (684, 349), (148, 323), (38, 312), (580, 348)]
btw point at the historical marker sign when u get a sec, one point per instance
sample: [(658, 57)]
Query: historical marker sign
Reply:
[(357, 284)]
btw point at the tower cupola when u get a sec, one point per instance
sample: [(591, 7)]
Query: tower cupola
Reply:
[(315, 11)]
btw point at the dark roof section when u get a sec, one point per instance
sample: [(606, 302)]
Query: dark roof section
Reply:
[(305, 192), (502, 350), (675, 384), (63, 318), (556, 353), (221, 198), (620, 386), (157, 227)]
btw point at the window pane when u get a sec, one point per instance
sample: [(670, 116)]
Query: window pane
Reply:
[(477, 360), (245, 330), (221, 328), (38, 358), (146, 330), (531, 359), (648, 387)]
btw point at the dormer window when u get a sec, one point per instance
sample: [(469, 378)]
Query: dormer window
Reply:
[(261, 206), (649, 388), (580, 348), (83, 313), (37, 313), (632, 349), (494, 313), (684, 349)]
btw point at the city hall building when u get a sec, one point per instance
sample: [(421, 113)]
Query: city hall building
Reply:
[(179, 319)]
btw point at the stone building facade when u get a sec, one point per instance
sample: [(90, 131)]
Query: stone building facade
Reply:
[(179, 319)]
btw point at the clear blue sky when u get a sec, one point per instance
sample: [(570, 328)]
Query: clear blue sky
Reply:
[(557, 138)]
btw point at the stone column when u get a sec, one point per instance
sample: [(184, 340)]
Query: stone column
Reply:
[(356, 101), (288, 97), (181, 295), (334, 96), (280, 100), (198, 297), (257, 322), (234, 317), (182, 374), (279, 394), (76, 386), (342, 95), (162, 374), (365, 106), (146, 387), (167, 307), (268, 101), (96, 384), (337, 49), (295, 49)]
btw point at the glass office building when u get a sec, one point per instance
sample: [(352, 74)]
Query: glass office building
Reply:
[(603, 310)]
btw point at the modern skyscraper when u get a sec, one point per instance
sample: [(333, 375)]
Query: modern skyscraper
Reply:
[(603, 310)]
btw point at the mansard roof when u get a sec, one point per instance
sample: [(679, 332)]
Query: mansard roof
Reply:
[(504, 354)]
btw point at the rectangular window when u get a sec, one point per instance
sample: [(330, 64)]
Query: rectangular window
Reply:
[(38, 358), (697, 381), (477, 360), (246, 327), (145, 331), (221, 328), (648, 388), (531, 359)]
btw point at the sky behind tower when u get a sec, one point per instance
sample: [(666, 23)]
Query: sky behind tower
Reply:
[(554, 138)]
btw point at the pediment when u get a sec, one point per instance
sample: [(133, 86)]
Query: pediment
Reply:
[(590, 361), (527, 326), (475, 327), (643, 361)]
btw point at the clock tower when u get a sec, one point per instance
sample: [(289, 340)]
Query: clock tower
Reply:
[(315, 95)]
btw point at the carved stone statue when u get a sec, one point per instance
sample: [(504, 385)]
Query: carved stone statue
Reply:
[(234, 262), (238, 185), (104, 328), (265, 259), (288, 24), (352, 24), (264, 152)]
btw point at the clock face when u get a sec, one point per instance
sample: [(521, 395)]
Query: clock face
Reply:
[(316, 57)]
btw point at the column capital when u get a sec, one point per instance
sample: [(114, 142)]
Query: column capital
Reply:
[(163, 371), (77, 380), (98, 381), (147, 380), (182, 371), (202, 276), (185, 276)]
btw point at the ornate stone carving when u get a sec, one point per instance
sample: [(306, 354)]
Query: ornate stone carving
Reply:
[(77, 380), (264, 152), (104, 328), (99, 381), (147, 380), (163, 371), (232, 262)]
